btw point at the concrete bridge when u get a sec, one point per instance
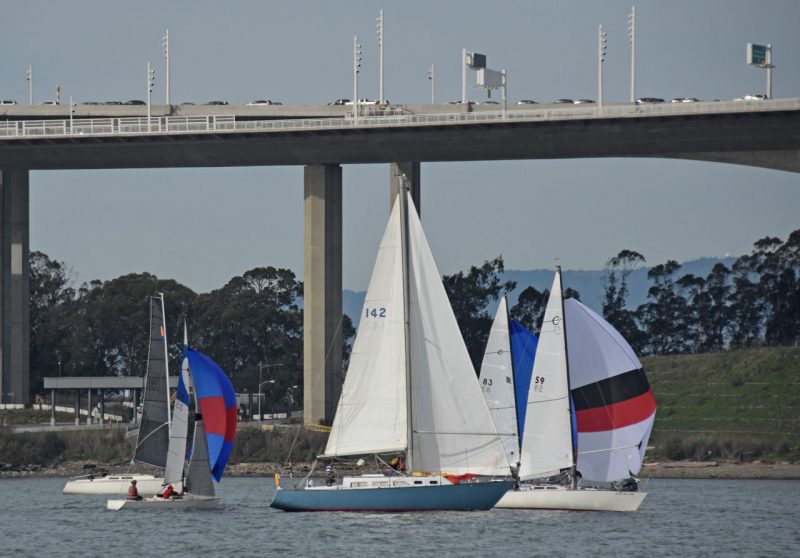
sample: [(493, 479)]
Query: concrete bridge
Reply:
[(757, 133)]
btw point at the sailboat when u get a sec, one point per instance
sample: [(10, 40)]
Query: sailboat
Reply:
[(154, 426), (215, 424), (589, 415), (506, 376), (410, 390)]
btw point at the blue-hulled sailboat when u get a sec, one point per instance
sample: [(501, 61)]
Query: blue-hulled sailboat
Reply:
[(410, 389)]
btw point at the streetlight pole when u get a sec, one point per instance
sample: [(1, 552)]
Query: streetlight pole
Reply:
[(601, 57), (769, 71), (150, 81), (632, 39), (432, 77), (29, 77), (463, 75), (261, 367), (356, 70), (165, 38), (380, 57)]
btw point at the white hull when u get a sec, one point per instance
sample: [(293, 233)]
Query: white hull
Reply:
[(561, 498), (157, 503), (115, 484)]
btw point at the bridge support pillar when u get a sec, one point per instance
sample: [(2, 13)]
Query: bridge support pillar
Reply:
[(15, 287), (411, 172), (322, 292)]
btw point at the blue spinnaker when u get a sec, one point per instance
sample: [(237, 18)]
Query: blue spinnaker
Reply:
[(523, 352)]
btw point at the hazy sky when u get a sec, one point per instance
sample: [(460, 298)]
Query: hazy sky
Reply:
[(204, 226)]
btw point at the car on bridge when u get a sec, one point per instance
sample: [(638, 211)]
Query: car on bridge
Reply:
[(135, 102), (755, 97), (564, 102), (526, 102), (263, 102), (49, 103), (584, 102), (340, 102), (685, 100), (217, 103), (648, 100), (8, 102)]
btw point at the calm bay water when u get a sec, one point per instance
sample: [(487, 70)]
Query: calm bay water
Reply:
[(678, 518)]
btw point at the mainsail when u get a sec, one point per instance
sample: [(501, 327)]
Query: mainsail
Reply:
[(547, 442), (151, 445), (176, 453), (614, 404), (498, 383), (450, 424)]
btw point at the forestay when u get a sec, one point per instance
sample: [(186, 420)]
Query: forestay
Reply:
[(614, 404), (547, 442)]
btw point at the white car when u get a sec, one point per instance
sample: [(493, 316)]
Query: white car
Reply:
[(755, 97), (7, 102)]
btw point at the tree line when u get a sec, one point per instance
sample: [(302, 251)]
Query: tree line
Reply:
[(255, 321)]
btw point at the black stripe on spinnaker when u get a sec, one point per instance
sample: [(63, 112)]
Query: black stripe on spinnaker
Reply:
[(611, 390)]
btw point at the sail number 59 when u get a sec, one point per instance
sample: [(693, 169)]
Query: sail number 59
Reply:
[(375, 312)]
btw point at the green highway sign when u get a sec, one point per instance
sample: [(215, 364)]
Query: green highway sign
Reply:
[(756, 54)]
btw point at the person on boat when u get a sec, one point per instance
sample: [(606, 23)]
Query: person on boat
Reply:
[(170, 492), (330, 476), (133, 492)]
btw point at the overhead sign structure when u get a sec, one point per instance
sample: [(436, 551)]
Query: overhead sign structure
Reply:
[(490, 78), (760, 56), (475, 60)]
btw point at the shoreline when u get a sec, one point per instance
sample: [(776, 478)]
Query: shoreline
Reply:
[(658, 470)]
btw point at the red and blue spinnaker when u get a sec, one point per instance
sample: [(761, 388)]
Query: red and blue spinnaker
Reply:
[(217, 401)]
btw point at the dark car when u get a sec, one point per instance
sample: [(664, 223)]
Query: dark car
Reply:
[(527, 102), (563, 102), (490, 102), (217, 103), (135, 102), (112, 103), (584, 102), (645, 100), (339, 102)]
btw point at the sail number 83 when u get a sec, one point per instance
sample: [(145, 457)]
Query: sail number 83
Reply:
[(375, 312)]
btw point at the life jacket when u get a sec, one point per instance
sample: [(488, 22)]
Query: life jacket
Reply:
[(169, 491), (132, 492)]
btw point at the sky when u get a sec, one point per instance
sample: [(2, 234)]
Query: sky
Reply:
[(204, 226)]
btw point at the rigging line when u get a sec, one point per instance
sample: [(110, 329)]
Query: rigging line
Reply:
[(439, 432), (547, 400), (289, 457), (156, 429), (609, 449)]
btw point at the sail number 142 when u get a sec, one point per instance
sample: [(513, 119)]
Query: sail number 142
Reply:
[(375, 312)]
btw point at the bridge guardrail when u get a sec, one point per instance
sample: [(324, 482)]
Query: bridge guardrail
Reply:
[(99, 127)]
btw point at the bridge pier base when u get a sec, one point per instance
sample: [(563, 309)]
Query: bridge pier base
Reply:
[(14, 286), (411, 172), (322, 292)]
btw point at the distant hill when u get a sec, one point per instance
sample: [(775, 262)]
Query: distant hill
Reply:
[(734, 404), (589, 283)]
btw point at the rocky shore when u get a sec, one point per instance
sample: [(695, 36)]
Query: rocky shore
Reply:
[(660, 470)]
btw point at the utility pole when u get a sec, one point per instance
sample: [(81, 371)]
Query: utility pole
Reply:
[(432, 78), (632, 39), (71, 112), (29, 77), (601, 57), (356, 71), (150, 82), (463, 75), (380, 57), (165, 39), (769, 71)]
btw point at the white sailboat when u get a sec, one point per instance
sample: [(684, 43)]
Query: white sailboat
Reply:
[(410, 389), (214, 431), (154, 426), (585, 369)]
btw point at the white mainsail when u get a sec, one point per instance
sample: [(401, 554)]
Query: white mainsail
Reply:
[(176, 452), (371, 414), (451, 426), (547, 443), (497, 382)]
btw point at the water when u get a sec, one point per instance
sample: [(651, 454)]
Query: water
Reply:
[(678, 518)]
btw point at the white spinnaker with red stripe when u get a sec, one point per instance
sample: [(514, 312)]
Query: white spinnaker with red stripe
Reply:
[(614, 405)]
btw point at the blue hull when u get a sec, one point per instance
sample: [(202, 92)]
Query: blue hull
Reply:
[(459, 497)]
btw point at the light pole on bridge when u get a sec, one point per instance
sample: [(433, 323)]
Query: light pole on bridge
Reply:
[(151, 74), (380, 57), (601, 57), (165, 39), (356, 71), (432, 77), (29, 77), (632, 39)]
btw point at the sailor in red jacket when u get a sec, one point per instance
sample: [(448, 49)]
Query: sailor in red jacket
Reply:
[(169, 491), (133, 492)]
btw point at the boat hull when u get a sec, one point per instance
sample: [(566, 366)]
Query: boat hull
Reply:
[(114, 484), (561, 498), (459, 497), (157, 503)]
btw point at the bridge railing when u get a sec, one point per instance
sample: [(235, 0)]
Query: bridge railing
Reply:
[(398, 116)]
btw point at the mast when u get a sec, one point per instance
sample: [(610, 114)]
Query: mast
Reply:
[(166, 359), (407, 313), (513, 385), (574, 467)]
